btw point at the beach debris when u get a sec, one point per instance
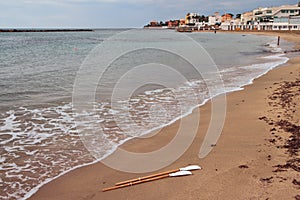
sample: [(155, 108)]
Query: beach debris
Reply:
[(176, 174), (243, 166), (285, 129), (292, 51), (295, 182), (272, 141), (172, 173), (279, 170), (263, 118), (267, 180), (281, 179), (293, 143), (290, 164)]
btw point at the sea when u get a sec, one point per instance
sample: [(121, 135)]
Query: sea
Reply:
[(128, 82)]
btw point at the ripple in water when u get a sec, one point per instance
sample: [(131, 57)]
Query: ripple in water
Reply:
[(39, 144)]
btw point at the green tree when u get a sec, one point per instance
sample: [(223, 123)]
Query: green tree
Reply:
[(203, 18)]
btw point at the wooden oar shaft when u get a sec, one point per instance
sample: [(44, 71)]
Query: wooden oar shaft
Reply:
[(135, 183), (147, 177)]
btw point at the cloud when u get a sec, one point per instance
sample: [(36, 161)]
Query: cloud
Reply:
[(65, 2), (115, 13)]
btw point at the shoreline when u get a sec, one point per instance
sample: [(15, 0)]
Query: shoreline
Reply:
[(137, 145)]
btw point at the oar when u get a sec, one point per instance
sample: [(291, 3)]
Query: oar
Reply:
[(180, 173), (188, 168)]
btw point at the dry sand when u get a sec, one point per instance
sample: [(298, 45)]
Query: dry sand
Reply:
[(252, 159)]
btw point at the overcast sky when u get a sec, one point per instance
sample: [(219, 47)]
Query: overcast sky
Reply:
[(114, 13)]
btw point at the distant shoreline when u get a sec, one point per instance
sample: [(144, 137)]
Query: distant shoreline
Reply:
[(45, 30)]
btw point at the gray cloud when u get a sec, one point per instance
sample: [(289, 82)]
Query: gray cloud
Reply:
[(114, 13)]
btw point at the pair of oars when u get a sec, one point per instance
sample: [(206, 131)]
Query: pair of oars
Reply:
[(172, 173)]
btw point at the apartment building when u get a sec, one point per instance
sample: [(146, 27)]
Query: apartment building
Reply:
[(285, 17)]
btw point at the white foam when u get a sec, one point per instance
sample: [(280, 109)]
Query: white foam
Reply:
[(41, 136)]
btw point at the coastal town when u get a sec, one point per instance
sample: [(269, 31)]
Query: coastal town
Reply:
[(282, 18)]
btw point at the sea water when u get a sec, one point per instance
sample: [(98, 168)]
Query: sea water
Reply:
[(39, 139)]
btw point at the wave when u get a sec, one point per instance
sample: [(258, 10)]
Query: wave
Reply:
[(33, 138)]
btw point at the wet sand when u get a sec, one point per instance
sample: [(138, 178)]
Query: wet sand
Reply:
[(256, 156)]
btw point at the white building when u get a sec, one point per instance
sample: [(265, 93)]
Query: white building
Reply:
[(286, 11), (247, 18), (268, 14), (214, 19), (232, 25), (277, 18), (285, 17), (263, 14), (286, 23)]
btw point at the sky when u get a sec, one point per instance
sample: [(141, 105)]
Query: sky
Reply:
[(114, 13)]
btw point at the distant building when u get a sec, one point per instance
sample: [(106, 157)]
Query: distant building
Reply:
[(247, 18), (263, 14), (295, 20), (277, 18), (182, 22), (228, 22), (192, 18), (286, 11), (227, 17), (173, 23), (286, 17), (286, 23), (154, 23), (269, 14), (215, 19)]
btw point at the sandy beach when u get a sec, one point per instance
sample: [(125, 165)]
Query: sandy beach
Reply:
[(256, 156)]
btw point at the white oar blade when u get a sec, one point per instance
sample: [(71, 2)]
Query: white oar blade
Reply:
[(190, 168), (181, 173)]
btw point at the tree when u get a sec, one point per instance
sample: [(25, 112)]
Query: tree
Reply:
[(203, 18), (231, 15)]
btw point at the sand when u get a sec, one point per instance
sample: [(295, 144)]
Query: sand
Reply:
[(250, 161)]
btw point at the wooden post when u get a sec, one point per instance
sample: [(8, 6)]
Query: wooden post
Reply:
[(278, 41)]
